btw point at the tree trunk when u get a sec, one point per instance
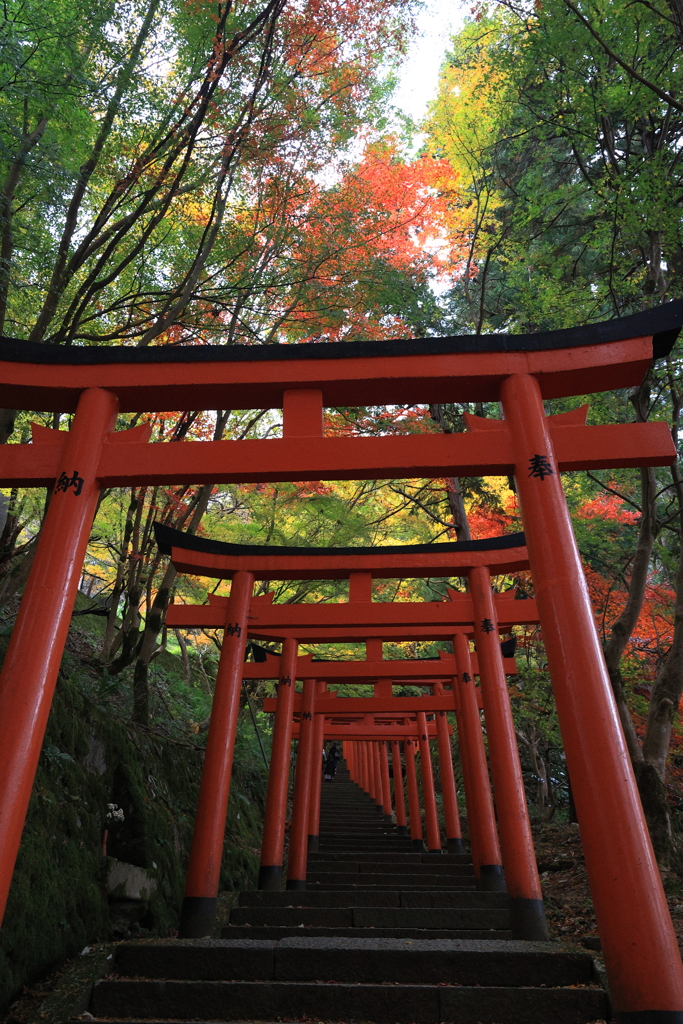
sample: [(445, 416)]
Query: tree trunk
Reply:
[(187, 672), (7, 418), (457, 508), (653, 797), (157, 613), (453, 492), (625, 624), (664, 700), (153, 625)]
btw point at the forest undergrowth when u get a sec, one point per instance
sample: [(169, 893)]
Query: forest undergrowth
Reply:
[(109, 792)]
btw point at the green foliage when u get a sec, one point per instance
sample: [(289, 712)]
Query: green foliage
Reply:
[(567, 176), (92, 758)]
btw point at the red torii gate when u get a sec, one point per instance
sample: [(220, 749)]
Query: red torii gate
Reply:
[(519, 371), (380, 733), (473, 560)]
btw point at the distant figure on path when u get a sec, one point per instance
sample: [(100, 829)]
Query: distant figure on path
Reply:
[(331, 763)]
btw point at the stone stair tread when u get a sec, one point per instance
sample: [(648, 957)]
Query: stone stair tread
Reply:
[(380, 878), (303, 958), (391, 867), (278, 932), (386, 886), (391, 1003), (373, 917), (409, 857), (383, 898)]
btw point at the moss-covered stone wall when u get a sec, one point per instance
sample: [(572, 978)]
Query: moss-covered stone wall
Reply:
[(58, 901)]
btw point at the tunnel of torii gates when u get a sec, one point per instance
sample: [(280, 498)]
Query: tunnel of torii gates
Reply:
[(478, 612), (95, 384)]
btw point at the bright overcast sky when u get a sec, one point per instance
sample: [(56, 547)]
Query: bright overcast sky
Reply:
[(436, 22)]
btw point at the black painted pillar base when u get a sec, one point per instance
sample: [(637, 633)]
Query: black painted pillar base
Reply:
[(402, 830), (270, 877), (417, 845), (455, 846), (197, 917), (313, 842), (295, 883), (649, 1017), (527, 920), (491, 878), (435, 851), (388, 819), (380, 808)]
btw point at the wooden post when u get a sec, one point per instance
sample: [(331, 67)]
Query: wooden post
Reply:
[(377, 776), (428, 789), (638, 941), (298, 829), (386, 784), (29, 674), (273, 844), (527, 914), (399, 796), (448, 788), (198, 911), (488, 867), (316, 779), (413, 796)]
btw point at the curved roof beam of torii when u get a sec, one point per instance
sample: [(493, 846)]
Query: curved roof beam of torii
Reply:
[(600, 357), (202, 556)]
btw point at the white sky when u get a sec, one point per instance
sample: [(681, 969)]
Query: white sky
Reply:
[(437, 21)]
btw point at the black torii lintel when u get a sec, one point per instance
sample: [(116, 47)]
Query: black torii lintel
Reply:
[(167, 538), (662, 322)]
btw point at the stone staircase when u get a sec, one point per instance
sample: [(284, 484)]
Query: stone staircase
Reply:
[(383, 933)]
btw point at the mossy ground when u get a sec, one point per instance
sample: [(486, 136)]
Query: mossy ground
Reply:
[(92, 757)]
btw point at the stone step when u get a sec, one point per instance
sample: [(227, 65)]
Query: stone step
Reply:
[(394, 886), (363, 960), (375, 846), (381, 839), (390, 867), (364, 809), (387, 878), (383, 1004), (381, 832), (338, 818), (443, 918), (392, 857), (366, 815), (374, 898), (277, 932), (356, 825)]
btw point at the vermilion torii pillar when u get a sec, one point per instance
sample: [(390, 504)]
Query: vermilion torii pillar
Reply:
[(414, 816), (448, 788), (488, 867), (428, 791), (519, 861), (399, 796), (386, 784), (201, 886), (629, 901), (316, 788), (641, 954), (379, 796), (273, 843), (303, 782)]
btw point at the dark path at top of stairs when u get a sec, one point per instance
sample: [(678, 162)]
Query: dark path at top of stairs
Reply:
[(382, 933)]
